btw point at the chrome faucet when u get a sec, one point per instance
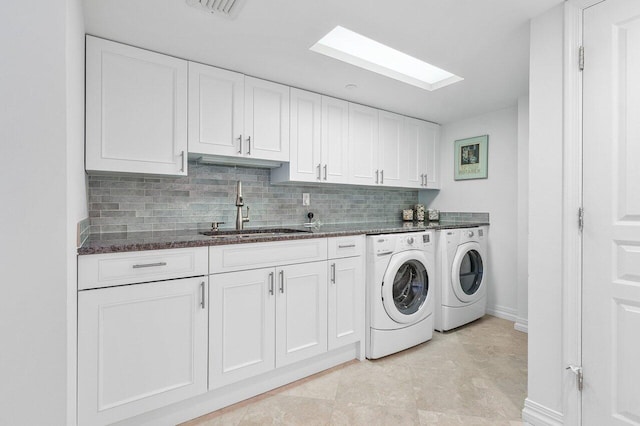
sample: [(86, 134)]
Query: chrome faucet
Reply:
[(240, 219)]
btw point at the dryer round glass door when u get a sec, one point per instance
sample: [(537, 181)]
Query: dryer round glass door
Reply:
[(405, 288), (467, 273)]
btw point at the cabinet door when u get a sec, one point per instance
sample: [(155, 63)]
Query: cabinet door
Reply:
[(305, 159), (301, 312), (415, 155), (432, 154), (241, 325), (363, 145), (266, 120), (335, 140), (140, 347), (216, 110), (346, 301), (136, 110), (390, 141)]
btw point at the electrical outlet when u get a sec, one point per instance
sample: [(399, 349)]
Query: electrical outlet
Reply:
[(306, 199)]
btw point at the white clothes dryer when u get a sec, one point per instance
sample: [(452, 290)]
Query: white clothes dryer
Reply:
[(461, 296), (400, 291)]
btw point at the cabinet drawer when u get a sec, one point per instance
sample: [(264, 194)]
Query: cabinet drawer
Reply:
[(106, 270), (261, 255), (346, 246)]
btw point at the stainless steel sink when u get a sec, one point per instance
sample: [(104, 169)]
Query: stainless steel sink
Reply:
[(248, 233)]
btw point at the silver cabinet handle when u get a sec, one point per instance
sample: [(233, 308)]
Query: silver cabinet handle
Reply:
[(377, 174), (240, 145), (184, 166), (249, 145), (202, 294), (319, 166), (333, 273), (422, 179), (346, 245), (325, 172), (149, 265), (281, 281), (381, 177), (425, 179), (271, 283)]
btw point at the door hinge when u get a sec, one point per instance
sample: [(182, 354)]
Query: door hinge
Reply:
[(581, 58), (577, 370), (581, 219)]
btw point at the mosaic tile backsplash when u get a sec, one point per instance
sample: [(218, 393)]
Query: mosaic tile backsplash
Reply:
[(145, 203)]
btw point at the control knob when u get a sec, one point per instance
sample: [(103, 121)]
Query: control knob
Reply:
[(409, 240), (470, 233)]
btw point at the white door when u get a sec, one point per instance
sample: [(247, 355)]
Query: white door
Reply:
[(241, 325), (390, 146), (305, 159), (216, 110), (301, 312), (266, 120), (414, 152), (346, 296), (430, 155), (136, 110), (335, 140), (140, 347), (363, 145), (611, 236)]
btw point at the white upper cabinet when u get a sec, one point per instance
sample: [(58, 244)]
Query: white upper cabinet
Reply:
[(232, 115), (136, 110), (305, 161), (216, 110), (363, 145), (422, 154), (266, 120), (319, 140), (335, 140), (391, 149)]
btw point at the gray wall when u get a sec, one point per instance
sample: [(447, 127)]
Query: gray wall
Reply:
[(126, 203)]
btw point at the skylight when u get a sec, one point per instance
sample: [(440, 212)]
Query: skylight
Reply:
[(355, 49)]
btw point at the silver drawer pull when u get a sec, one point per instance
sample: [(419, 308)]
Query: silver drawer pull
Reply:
[(202, 295), (333, 273), (346, 246), (271, 283), (149, 265), (384, 253)]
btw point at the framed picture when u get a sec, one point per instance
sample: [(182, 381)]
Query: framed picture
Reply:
[(471, 159)]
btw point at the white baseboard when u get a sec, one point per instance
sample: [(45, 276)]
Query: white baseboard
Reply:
[(502, 312), (539, 415), (522, 324)]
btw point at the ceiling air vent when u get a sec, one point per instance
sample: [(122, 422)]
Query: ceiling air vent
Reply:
[(227, 8)]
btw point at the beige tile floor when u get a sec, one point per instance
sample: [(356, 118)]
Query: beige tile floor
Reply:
[(475, 375)]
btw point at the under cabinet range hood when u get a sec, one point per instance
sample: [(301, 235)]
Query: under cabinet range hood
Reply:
[(226, 8)]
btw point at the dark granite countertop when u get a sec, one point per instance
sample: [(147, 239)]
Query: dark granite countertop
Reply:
[(136, 241)]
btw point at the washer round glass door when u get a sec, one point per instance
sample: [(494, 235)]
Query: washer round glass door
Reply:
[(467, 273), (405, 288)]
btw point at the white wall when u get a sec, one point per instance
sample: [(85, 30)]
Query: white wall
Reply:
[(545, 216), (497, 195), (76, 182), (35, 249), (523, 213)]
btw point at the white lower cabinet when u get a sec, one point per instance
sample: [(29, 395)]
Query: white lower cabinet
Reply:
[(345, 304), (266, 318), (241, 325), (140, 347), (301, 312)]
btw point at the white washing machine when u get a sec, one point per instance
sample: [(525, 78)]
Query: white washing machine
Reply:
[(400, 291), (461, 296)]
